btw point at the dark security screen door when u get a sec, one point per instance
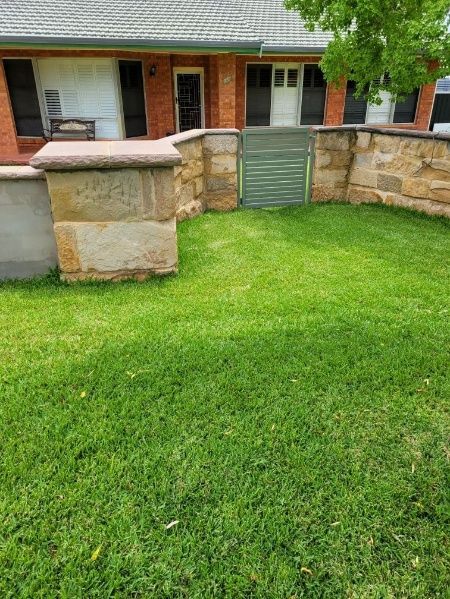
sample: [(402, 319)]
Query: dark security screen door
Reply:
[(313, 95), (259, 95), (24, 96), (133, 101), (189, 101)]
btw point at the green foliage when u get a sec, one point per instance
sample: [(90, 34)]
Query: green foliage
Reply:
[(284, 399), (373, 37)]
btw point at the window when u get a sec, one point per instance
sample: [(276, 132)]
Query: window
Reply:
[(259, 90), (405, 111), (84, 89), (133, 100), (355, 108), (358, 111), (24, 97), (313, 95)]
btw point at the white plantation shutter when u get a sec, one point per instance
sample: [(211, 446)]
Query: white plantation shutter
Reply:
[(84, 89), (383, 113), (285, 95)]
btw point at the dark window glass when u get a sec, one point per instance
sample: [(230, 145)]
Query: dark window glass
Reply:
[(313, 96), (405, 112), (133, 100), (259, 95), (355, 108), (441, 110), (24, 97)]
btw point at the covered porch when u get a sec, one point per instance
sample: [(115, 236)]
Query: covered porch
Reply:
[(129, 95)]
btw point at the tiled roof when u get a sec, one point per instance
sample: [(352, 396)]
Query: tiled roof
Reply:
[(218, 23)]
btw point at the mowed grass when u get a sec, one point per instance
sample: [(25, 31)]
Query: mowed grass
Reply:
[(284, 399)]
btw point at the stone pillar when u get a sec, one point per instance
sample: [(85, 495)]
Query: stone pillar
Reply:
[(113, 206), (8, 140), (335, 104), (220, 151), (226, 91)]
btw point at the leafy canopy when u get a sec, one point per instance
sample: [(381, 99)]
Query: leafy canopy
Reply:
[(407, 39)]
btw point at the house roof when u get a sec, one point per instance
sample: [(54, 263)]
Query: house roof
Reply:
[(246, 24)]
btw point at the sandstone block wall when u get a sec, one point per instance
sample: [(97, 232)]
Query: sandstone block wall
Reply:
[(115, 204), (207, 176), (399, 168)]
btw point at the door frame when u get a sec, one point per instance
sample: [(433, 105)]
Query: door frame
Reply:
[(189, 71)]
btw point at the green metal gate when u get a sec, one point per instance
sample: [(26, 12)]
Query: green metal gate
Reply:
[(276, 166)]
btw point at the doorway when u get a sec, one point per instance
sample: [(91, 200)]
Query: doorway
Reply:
[(189, 102), (133, 98)]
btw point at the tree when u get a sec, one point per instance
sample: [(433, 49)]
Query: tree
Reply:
[(382, 45)]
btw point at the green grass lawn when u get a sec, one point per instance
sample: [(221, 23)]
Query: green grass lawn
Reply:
[(284, 399)]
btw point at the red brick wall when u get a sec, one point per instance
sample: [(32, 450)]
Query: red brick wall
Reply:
[(425, 106), (224, 90), (7, 129), (335, 105)]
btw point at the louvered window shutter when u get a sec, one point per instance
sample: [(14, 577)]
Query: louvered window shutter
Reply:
[(381, 113), (285, 95), (83, 89)]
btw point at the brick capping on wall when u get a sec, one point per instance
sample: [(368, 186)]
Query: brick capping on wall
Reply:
[(394, 167), (115, 204)]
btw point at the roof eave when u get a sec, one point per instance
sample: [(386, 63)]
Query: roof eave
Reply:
[(277, 49), (143, 44)]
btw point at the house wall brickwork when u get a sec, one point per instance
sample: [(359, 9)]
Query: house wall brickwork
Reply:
[(224, 91)]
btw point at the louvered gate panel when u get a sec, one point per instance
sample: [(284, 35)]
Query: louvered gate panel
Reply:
[(275, 166)]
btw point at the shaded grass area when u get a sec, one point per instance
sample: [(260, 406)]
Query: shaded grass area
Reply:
[(284, 399)]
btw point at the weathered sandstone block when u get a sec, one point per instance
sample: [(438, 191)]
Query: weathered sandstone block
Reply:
[(220, 144), (415, 187), (221, 200), (425, 148), (191, 210), (435, 169), (96, 195), (386, 143), (326, 193), (396, 163), (221, 183), (116, 250), (428, 206), (363, 160), (220, 164), (362, 176), (360, 195), (440, 190), (190, 150), (363, 139), (191, 170), (328, 176), (388, 182), (336, 140)]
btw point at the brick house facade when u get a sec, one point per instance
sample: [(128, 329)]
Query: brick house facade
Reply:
[(223, 56)]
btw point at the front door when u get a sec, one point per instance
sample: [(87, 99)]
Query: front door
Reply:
[(189, 99)]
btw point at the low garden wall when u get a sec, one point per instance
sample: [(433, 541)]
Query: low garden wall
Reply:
[(394, 167), (27, 243), (115, 204)]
